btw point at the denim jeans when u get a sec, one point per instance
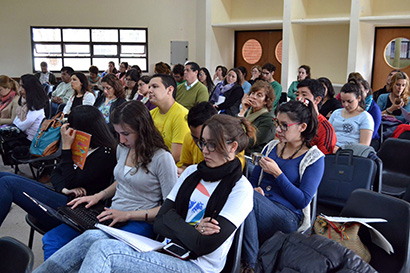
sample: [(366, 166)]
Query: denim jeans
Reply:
[(61, 235), (12, 187), (263, 222), (94, 251)]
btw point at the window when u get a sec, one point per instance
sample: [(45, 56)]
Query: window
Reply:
[(81, 47)]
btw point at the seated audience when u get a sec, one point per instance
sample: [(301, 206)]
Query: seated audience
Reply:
[(268, 70), (44, 76), (330, 103), (256, 73), (111, 69), (385, 89), (94, 80), (113, 96), (205, 78), (391, 103), (257, 109), (192, 91), (228, 94), (169, 116), (243, 74), (201, 214), (292, 170), (143, 95), (131, 87), (8, 99), (303, 73), (352, 124), (325, 139), (220, 74), (67, 179), (178, 73), (145, 174), (123, 71), (63, 91), (82, 95), (191, 154), (371, 107)]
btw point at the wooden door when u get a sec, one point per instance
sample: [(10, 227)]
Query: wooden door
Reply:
[(381, 68), (257, 48)]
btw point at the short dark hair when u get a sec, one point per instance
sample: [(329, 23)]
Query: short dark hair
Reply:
[(178, 69), (244, 71), (194, 66), (353, 87), (42, 64), (238, 79), (115, 83), (270, 67), (199, 113), (167, 80), (330, 90), (36, 97), (223, 68), (145, 79), (68, 70), (93, 69), (297, 111), (89, 119), (269, 92), (315, 87)]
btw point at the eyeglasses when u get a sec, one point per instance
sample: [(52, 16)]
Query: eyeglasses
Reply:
[(265, 73), (283, 127), (211, 146)]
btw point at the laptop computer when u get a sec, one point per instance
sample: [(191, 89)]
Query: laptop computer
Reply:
[(79, 218)]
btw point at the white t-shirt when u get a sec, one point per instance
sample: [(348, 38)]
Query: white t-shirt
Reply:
[(348, 129), (31, 124), (237, 207)]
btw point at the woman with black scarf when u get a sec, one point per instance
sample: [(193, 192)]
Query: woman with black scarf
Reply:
[(202, 212)]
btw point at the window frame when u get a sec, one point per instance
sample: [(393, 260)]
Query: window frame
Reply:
[(90, 44)]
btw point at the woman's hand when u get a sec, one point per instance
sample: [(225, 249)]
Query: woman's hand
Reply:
[(269, 166), (76, 191), (67, 136), (90, 200), (260, 190), (208, 226), (115, 215)]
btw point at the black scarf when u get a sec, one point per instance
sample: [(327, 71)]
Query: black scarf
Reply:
[(229, 173)]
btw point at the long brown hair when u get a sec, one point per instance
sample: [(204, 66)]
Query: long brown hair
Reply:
[(136, 116), (401, 76), (115, 83)]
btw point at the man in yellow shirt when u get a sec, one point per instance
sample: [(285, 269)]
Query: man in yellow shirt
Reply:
[(169, 116), (191, 154)]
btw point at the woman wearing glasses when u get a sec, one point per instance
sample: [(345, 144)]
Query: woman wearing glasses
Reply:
[(202, 212), (292, 171)]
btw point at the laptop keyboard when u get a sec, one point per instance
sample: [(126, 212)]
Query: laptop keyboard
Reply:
[(86, 218)]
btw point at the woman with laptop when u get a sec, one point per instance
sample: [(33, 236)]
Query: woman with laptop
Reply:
[(200, 215), (144, 175)]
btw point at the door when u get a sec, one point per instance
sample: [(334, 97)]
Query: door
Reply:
[(391, 51), (257, 48)]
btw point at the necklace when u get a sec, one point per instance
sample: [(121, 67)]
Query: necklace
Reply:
[(290, 157)]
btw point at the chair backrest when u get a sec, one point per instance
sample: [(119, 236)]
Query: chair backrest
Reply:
[(365, 203), (344, 173), (15, 257), (395, 154), (233, 260)]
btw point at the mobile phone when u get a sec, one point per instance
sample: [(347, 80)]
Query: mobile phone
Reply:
[(177, 251)]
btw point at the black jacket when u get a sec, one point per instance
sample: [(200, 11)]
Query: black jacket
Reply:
[(233, 98), (299, 253)]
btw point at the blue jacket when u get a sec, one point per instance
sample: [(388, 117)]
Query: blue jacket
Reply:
[(374, 110)]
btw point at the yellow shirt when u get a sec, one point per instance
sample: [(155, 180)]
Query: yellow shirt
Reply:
[(191, 154), (172, 125)]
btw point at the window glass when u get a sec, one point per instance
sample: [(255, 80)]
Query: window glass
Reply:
[(106, 50), (47, 49), (102, 63), (78, 64), (133, 35), (53, 64), (76, 35), (46, 34), (397, 53), (104, 35), (77, 50), (133, 50)]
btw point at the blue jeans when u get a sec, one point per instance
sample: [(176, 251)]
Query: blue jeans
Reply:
[(263, 222), (12, 187), (94, 251), (61, 235)]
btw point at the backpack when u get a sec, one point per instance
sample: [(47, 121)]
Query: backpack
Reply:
[(47, 139)]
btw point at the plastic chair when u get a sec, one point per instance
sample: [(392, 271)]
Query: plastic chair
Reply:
[(365, 203), (35, 225), (233, 260), (15, 257), (395, 154), (39, 163)]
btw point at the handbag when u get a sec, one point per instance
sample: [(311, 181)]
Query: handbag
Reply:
[(47, 139), (345, 234)]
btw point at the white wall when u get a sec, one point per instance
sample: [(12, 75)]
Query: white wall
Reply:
[(167, 20)]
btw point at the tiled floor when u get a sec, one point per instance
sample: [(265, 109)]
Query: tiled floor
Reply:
[(15, 225)]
